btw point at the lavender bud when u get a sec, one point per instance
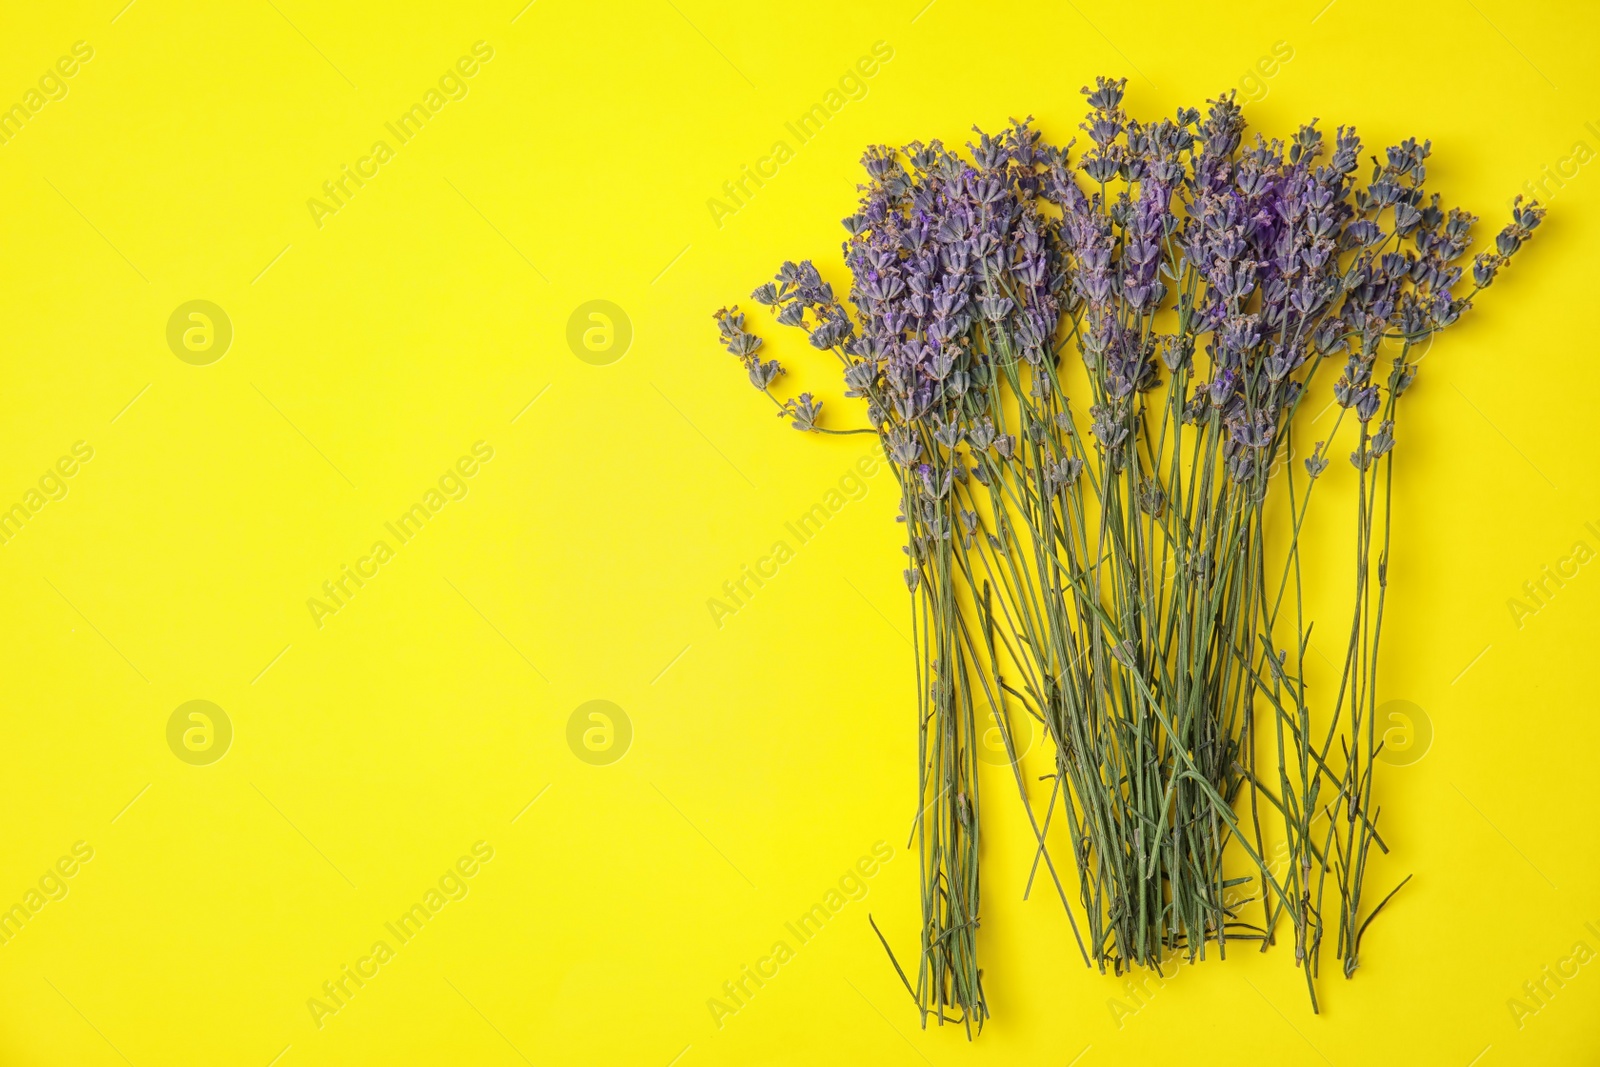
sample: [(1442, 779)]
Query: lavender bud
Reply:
[(860, 378), (1222, 386), (1152, 497), (1383, 440), (1328, 335), (1402, 378), (1484, 268), (982, 435), (1107, 428), (803, 412), (1177, 352), (762, 375), (904, 448), (1367, 403)]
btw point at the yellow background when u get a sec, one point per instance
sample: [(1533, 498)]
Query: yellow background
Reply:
[(767, 754)]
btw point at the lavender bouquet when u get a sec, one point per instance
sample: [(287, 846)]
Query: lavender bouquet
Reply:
[(1119, 567)]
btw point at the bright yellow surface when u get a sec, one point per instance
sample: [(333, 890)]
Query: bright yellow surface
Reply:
[(374, 747)]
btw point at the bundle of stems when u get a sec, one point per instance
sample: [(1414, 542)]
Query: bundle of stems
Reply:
[(1403, 284), (949, 985), (1111, 565)]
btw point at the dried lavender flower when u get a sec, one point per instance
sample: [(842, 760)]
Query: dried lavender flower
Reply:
[(1204, 279)]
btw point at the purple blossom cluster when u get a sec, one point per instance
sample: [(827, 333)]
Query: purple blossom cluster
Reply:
[(1158, 239), (954, 269)]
